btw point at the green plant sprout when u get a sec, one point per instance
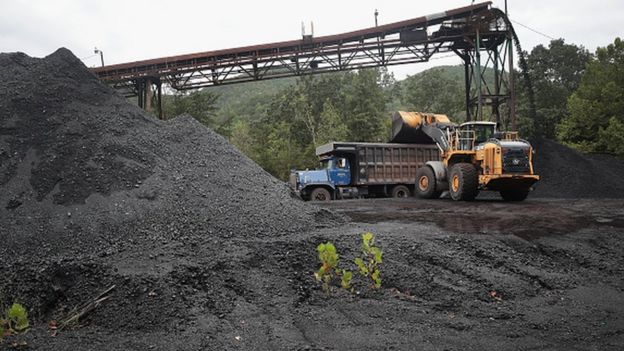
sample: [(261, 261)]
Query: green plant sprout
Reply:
[(13, 321), (346, 279), (329, 267), (371, 258), (329, 260)]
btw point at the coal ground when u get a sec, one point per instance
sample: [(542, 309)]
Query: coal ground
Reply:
[(208, 252), (567, 173)]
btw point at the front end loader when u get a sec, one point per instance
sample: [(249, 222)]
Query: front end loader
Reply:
[(475, 157)]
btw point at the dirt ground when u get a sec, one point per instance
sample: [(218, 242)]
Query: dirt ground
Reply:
[(542, 274)]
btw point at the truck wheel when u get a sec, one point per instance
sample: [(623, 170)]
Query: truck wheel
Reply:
[(426, 183), (320, 194), (463, 182), (514, 194), (400, 191)]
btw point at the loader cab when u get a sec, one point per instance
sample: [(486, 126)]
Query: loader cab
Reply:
[(481, 131)]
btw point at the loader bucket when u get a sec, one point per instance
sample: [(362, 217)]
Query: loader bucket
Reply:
[(406, 127)]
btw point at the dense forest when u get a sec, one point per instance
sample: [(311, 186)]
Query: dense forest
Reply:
[(579, 101)]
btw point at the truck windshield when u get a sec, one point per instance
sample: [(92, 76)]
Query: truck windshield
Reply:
[(327, 163)]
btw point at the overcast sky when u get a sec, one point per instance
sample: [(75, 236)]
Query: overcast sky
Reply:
[(133, 30)]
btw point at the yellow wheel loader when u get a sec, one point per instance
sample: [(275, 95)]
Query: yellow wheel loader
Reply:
[(474, 157)]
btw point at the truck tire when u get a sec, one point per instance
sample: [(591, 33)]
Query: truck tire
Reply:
[(320, 194), (426, 183), (400, 191), (463, 182), (514, 194)]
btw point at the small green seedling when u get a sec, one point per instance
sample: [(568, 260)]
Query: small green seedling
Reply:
[(346, 279), (13, 321), (329, 260), (329, 267), (369, 263), (18, 318)]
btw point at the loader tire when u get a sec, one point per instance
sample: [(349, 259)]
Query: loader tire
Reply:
[(426, 184), (463, 182), (320, 194), (400, 191), (514, 194)]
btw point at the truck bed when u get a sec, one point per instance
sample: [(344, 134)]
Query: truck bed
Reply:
[(383, 163)]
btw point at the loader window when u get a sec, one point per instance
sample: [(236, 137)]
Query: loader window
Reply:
[(483, 132)]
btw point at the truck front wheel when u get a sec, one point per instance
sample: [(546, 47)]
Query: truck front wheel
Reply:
[(463, 182), (426, 183), (320, 194)]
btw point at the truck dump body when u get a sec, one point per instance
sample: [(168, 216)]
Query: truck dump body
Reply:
[(382, 163)]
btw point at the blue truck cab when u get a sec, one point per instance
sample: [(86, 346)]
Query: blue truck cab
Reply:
[(321, 184)]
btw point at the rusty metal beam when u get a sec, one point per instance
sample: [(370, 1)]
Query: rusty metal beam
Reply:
[(410, 41)]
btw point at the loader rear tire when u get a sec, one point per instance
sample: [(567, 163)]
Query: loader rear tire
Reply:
[(514, 194), (463, 182), (320, 194), (426, 184), (400, 191)]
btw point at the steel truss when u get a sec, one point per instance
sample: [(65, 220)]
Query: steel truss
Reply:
[(478, 35)]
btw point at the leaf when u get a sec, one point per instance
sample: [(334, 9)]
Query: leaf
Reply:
[(320, 248), (346, 279), (376, 278), (366, 241), (376, 254), (363, 269), (329, 247)]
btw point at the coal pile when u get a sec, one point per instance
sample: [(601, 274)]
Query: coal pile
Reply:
[(567, 173), (94, 192)]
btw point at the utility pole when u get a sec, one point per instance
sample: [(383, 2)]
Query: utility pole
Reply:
[(96, 51)]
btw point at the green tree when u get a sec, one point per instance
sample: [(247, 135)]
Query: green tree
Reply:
[(596, 109), (556, 73), (436, 92), (332, 126), (201, 104), (365, 106)]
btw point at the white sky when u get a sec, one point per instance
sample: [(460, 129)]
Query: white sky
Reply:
[(133, 30)]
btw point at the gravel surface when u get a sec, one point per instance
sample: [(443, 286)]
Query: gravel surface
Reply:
[(566, 173), (95, 193), (208, 252)]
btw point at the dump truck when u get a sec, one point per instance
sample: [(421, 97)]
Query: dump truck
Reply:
[(474, 156), (355, 170)]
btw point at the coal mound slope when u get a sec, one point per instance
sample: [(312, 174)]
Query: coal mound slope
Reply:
[(94, 192), (567, 173)]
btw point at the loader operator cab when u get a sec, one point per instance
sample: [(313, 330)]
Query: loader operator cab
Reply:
[(475, 133)]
